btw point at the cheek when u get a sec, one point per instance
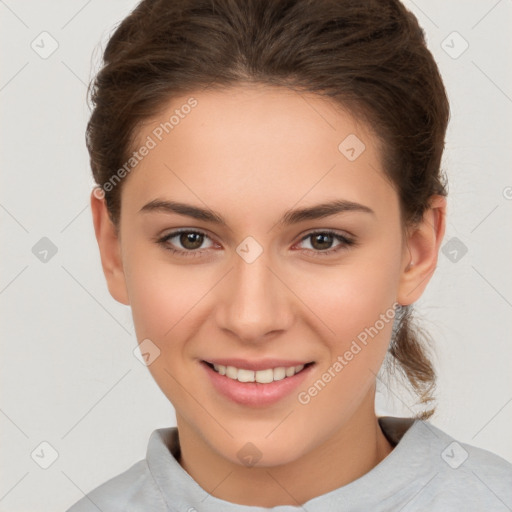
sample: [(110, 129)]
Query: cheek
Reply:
[(354, 307), (163, 299), (155, 301), (350, 297), (363, 325), (162, 295), (341, 300)]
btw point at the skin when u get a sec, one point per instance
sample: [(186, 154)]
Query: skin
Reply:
[(251, 153)]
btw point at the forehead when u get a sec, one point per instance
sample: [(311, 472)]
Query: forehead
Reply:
[(248, 143)]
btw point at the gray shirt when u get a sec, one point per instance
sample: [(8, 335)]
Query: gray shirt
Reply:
[(427, 470)]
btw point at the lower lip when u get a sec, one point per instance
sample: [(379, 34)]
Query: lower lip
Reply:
[(253, 393)]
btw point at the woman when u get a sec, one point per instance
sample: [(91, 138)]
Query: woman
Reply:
[(270, 204)]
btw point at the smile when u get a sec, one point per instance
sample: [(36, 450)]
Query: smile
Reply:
[(261, 386), (262, 376)]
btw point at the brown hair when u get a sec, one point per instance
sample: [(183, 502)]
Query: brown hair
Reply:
[(368, 56)]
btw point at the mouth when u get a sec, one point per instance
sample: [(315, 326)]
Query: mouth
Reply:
[(263, 376), (262, 385)]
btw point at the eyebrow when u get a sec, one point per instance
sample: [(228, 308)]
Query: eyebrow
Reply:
[(290, 217)]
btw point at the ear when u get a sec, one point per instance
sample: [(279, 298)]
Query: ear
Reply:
[(110, 248), (421, 252)]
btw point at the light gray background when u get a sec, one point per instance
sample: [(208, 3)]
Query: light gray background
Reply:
[(69, 377)]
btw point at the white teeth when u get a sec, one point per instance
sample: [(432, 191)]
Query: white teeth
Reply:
[(261, 376), (245, 375), (290, 372), (279, 373), (231, 372)]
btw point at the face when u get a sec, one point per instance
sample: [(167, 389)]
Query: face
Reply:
[(227, 258)]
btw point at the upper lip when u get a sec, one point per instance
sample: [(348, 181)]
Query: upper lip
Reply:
[(260, 364)]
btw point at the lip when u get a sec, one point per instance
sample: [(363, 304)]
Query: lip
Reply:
[(262, 364), (255, 394)]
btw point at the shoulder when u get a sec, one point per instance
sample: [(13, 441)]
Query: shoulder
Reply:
[(131, 491), (138, 489), (461, 473)]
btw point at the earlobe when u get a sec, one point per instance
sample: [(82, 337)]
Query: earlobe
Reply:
[(110, 248), (422, 251)]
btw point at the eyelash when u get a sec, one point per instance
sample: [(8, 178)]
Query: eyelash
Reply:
[(345, 243)]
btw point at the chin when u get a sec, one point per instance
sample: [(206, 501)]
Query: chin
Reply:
[(261, 453)]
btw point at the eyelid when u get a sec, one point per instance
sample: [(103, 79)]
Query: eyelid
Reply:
[(171, 234), (334, 232), (346, 241)]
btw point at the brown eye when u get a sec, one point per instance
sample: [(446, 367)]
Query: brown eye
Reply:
[(191, 240), (321, 241), (185, 242)]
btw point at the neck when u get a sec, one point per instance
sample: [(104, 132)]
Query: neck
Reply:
[(350, 453)]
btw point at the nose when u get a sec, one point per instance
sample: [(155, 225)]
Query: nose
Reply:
[(254, 303)]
